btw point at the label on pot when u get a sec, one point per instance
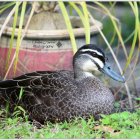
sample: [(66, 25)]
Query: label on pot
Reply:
[(47, 44)]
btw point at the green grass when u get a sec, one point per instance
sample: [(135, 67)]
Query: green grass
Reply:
[(118, 125)]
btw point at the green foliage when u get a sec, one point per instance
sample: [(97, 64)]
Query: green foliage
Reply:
[(138, 99), (3, 7), (19, 34), (117, 125), (68, 24), (84, 17), (114, 29), (21, 93), (126, 123), (86, 22), (12, 35), (136, 35)]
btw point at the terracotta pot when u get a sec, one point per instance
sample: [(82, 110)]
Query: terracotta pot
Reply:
[(46, 45)]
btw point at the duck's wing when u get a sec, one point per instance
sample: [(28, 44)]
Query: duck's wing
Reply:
[(10, 89), (40, 90), (23, 80), (30, 79)]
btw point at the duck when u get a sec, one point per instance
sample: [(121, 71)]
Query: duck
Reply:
[(63, 95)]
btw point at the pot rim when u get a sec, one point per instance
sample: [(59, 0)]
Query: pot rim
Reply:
[(53, 34)]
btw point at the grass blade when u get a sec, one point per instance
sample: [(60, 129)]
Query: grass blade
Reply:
[(135, 10), (115, 26), (19, 34), (84, 21), (68, 24), (7, 20), (12, 36), (20, 94), (23, 34), (87, 22), (6, 6), (129, 37)]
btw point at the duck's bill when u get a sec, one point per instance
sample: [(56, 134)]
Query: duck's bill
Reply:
[(108, 71)]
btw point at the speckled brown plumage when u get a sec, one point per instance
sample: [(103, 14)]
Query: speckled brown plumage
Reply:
[(56, 96), (61, 95)]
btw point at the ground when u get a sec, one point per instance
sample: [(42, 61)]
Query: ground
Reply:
[(117, 125)]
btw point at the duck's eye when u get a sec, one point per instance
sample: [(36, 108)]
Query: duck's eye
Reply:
[(93, 53)]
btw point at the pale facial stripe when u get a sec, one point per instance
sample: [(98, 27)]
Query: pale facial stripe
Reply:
[(98, 53), (98, 61)]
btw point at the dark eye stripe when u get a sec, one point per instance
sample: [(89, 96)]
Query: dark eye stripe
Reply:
[(101, 58), (94, 54)]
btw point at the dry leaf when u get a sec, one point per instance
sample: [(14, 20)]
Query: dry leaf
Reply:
[(107, 129)]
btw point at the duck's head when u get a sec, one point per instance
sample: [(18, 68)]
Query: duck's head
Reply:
[(91, 58)]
